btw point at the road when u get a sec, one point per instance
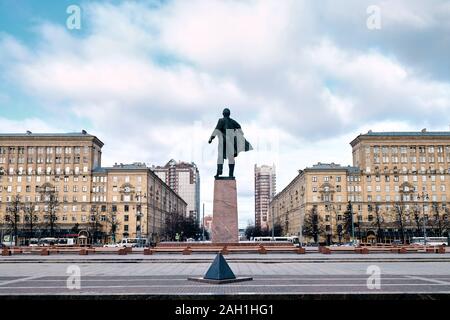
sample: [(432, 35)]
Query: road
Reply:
[(278, 274)]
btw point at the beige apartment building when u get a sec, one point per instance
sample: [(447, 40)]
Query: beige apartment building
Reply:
[(137, 198), (54, 185), (397, 188)]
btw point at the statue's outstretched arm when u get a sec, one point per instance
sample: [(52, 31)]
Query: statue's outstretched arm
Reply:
[(215, 132)]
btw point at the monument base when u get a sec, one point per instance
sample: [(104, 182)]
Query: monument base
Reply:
[(219, 272), (213, 281), (225, 217)]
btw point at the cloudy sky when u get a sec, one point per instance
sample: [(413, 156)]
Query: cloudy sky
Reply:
[(150, 78)]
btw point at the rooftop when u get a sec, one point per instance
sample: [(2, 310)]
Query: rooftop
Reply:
[(29, 134), (127, 166), (400, 134), (331, 166), (61, 134), (422, 133), (178, 164)]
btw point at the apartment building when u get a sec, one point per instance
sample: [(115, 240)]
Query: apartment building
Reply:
[(265, 189), (398, 186), (184, 179), (137, 198), (61, 178)]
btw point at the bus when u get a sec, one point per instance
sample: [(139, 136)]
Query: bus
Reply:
[(431, 241), (293, 239)]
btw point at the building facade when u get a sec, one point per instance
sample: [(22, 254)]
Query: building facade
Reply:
[(184, 179), (265, 189), (54, 185), (397, 188)]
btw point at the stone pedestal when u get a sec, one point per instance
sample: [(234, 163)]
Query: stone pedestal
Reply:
[(225, 217)]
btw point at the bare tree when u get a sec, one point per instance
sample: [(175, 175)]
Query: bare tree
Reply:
[(13, 217), (379, 220), (95, 224), (417, 221), (313, 224), (31, 219), (348, 224), (400, 218), (178, 223), (49, 196), (113, 225), (439, 222)]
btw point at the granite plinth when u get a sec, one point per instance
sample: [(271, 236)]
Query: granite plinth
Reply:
[(225, 217)]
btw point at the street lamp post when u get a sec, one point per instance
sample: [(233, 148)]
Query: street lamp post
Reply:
[(153, 195), (424, 197), (353, 224), (273, 226), (301, 229)]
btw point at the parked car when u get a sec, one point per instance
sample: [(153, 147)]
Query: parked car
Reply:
[(111, 245), (133, 242), (34, 242), (354, 243)]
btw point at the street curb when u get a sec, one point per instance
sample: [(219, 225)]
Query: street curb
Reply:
[(266, 261)]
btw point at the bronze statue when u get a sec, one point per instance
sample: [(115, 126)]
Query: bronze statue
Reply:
[(231, 142)]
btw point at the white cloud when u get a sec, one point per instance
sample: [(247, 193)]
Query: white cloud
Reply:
[(151, 81), (22, 126)]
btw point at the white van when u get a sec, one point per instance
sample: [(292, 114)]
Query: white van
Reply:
[(132, 242)]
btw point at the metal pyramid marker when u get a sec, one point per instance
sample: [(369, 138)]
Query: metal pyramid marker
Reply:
[(219, 269), (219, 272)]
